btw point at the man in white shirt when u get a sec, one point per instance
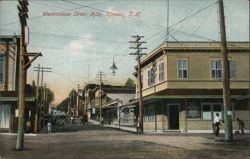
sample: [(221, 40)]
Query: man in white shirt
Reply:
[(217, 124), (49, 125)]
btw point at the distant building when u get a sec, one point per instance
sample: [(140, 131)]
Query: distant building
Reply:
[(182, 85), (113, 97), (9, 52)]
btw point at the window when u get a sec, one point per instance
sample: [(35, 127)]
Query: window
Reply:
[(232, 68), (151, 76), (206, 112), (216, 69), (149, 113), (182, 68), (2, 68), (161, 71), (209, 111)]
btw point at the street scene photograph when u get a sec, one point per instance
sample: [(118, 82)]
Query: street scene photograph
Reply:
[(124, 79)]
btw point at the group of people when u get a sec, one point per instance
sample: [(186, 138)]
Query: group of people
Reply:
[(216, 125), (59, 123)]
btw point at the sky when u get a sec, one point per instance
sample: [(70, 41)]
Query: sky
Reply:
[(80, 38)]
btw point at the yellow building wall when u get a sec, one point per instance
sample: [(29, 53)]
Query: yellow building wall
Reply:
[(199, 69)]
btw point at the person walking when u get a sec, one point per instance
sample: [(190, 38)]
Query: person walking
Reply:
[(217, 124), (241, 125), (28, 126), (49, 125)]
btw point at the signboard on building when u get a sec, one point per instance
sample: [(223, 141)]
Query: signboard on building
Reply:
[(26, 35), (193, 110)]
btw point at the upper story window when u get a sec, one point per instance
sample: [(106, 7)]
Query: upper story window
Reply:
[(182, 68), (161, 71), (216, 69), (151, 76), (232, 68), (2, 68)]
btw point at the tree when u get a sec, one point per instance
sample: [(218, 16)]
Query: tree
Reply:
[(63, 106), (130, 83)]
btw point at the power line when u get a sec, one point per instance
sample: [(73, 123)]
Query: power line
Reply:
[(76, 37), (40, 16)]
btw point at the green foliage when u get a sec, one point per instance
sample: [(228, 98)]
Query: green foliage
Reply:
[(130, 83), (71, 100), (63, 106)]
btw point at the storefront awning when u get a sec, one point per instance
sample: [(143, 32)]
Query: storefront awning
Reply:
[(15, 99), (150, 99)]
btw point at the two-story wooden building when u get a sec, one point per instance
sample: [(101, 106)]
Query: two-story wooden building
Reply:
[(182, 85), (9, 53)]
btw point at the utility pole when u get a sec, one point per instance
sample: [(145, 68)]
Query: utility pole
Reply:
[(77, 100), (225, 70), (139, 54), (100, 77), (249, 64), (23, 15), (85, 99), (43, 70), (23, 9), (45, 99), (37, 99)]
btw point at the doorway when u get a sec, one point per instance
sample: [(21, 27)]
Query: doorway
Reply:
[(173, 117), (4, 116)]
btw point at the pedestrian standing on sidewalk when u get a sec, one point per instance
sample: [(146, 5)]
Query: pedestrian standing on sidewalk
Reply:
[(217, 124), (49, 125), (28, 126), (241, 125)]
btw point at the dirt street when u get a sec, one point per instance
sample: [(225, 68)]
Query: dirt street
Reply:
[(96, 142)]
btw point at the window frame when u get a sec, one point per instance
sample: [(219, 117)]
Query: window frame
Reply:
[(161, 71), (149, 113), (182, 69), (217, 70), (212, 112), (2, 63)]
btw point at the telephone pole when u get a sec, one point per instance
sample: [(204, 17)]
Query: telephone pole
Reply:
[(37, 100), (23, 66), (249, 63), (77, 100), (100, 77), (43, 70), (225, 70), (23, 15), (139, 54)]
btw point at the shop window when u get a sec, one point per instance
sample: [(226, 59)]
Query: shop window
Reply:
[(193, 110), (209, 111), (149, 113), (206, 112)]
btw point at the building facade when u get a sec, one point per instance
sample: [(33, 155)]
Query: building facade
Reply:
[(112, 98), (182, 85), (9, 52)]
